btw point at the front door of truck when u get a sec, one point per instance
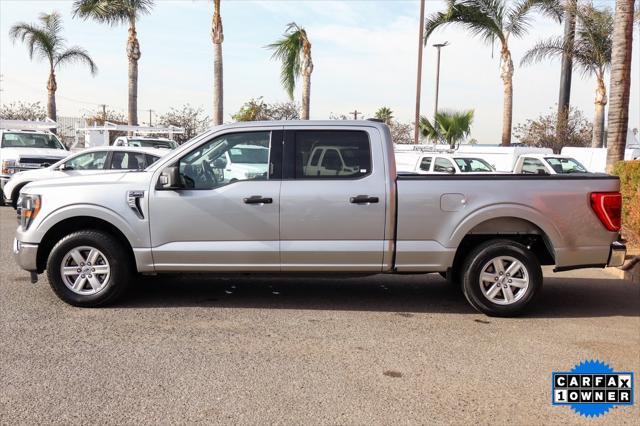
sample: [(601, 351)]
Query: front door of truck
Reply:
[(217, 222), (333, 220)]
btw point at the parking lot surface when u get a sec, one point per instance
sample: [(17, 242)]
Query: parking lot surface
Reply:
[(378, 350)]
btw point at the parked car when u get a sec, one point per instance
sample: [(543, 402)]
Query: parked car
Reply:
[(244, 162), (488, 233), (26, 150), (595, 159), (435, 163), (87, 162), (145, 142), (548, 164)]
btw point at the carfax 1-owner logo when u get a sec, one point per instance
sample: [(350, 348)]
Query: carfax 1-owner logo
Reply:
[(592, 388)]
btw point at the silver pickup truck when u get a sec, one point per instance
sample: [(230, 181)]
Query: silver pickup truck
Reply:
[(490, 234)]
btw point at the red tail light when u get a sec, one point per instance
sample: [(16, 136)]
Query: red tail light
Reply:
[(608, 208)]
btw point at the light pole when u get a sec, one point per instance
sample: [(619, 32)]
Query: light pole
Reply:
[(438, 46), (421, 43)]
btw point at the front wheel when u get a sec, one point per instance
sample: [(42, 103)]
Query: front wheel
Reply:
[(89, 268), (501, 278)]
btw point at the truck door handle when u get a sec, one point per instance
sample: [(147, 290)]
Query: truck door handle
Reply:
[(363, 199), (257, 199)]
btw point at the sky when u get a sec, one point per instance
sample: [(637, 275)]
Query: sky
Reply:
[(364, 53)]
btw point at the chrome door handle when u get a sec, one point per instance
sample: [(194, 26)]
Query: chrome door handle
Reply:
[(257, 199), (363, 199)]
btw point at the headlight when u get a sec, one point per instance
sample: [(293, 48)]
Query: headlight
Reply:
[(9, 167), (28, 208)]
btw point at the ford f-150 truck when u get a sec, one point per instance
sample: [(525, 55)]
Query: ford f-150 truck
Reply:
[(490, 234)]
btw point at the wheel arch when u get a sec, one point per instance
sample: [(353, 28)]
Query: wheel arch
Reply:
[(73, 224), (508, 227)]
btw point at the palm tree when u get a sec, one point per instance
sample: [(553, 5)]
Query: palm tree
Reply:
[(46, 42), (495, 20), (294, 51), (217, 36), (451, 127), (620, 81), (591, 52), (385, 114), (116, 12)]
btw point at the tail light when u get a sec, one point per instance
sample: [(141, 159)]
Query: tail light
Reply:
[(608, 207)]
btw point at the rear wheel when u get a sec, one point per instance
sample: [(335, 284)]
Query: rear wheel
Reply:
[(89, 269), (501, 278)]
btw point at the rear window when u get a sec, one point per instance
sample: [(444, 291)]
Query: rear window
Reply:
[(332, 154), (30, 140), (152, 143)]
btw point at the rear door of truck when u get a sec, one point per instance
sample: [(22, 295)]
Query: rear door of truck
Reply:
[(334, 220)]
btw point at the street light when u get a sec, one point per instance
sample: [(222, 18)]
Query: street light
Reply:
[(438, 46)]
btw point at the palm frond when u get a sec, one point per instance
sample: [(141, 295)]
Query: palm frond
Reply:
[(37, 39), (545, 49), (76, 54), (288, 50), (111, 12), (481, 17), (519, 17)]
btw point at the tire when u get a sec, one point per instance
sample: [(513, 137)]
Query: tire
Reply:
[(97, 284), (518, 273)]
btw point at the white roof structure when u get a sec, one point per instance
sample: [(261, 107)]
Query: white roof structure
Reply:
[(46, 125), (113, 127)]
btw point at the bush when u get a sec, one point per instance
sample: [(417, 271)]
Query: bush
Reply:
[(629, 173)]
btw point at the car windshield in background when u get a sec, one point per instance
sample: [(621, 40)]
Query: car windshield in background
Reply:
[(470, 165), (566, 165), (30, 140), (249, 155), (152, 143)]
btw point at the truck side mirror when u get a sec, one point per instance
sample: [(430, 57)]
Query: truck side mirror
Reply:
[(65, 167), (451, 170), (169, 178)]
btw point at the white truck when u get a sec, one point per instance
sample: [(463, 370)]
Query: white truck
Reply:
[(595, 159), (548, 164), (441, 162), (27, 145)]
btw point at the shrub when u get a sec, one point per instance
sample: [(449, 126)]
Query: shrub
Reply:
[(629, 173)]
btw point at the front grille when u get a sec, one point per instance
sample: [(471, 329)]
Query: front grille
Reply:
[(32, 163)]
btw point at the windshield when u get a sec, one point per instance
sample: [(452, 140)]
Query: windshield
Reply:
[(152, 143), (468, 165), (249, 154), (565, 165), (30, 140)]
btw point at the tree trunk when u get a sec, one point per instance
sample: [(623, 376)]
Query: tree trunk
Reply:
[(52, 86), (564, 95), (133, 54), (598, 118), (307, 69), (506, 73), (217, 37), (620, 81)]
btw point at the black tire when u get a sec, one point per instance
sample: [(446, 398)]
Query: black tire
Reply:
[(120, 265), (480, 257)]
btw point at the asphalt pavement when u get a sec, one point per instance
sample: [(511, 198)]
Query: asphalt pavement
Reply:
[(186, 349)]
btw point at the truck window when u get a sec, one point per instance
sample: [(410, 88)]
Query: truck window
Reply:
[(566, 165), (442, 165), (347, 154), (425, 163), (128, 161), (473, 165), (533, 166), (206, 167), (90, 161)]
